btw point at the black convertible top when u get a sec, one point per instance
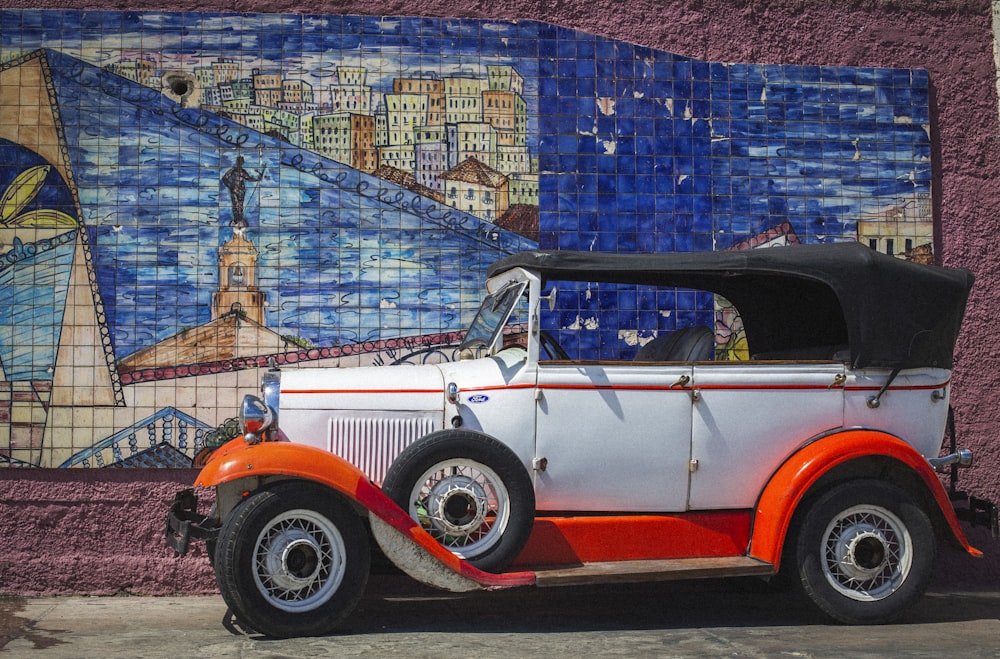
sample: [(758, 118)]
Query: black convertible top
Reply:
[(889, 312)]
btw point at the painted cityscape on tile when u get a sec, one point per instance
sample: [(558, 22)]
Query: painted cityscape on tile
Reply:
[(187, 198)]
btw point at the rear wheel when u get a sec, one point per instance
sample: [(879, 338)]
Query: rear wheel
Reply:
[(292, 560), (865, 552)]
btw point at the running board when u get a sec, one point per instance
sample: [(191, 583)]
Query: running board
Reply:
[(651, 570)]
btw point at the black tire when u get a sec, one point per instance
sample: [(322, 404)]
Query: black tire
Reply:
[(212, 543), (292, 560), (481, 493), (210, 548), (865, 552)]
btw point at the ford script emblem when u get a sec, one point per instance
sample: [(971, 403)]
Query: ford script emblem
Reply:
[(479, 398)]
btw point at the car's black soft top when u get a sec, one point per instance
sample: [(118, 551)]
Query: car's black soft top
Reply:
[(889, 312)]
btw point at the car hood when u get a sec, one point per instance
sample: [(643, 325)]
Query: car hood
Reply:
[(402, 388)]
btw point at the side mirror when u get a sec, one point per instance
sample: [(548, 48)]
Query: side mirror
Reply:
[(551, 298)]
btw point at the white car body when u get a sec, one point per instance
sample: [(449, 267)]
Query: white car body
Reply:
[(613, 436)]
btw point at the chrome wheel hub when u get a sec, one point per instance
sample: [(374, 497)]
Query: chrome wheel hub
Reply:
[(867, 553), (457, 505), (864, 556)]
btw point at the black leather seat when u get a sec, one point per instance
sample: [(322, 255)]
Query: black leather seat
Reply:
[(688, 344)]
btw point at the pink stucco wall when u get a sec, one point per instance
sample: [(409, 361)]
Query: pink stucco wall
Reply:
[(91, 531)]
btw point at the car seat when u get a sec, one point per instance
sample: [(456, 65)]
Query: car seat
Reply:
[(689, 344)]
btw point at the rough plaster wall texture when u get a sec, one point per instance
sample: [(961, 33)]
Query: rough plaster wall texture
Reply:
[(93, 531), (950, 39)]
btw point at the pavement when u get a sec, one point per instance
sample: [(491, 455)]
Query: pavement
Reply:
[(398, 618)]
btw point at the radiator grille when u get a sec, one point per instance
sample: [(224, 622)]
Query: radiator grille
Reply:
[(371, 443)]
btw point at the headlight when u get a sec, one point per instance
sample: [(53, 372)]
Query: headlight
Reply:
[(255, 418), (258, 416), (271, 386)]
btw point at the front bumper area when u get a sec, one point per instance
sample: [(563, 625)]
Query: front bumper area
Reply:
[(184, 523)]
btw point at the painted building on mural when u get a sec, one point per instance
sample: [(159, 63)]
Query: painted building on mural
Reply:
[(426, 125), (477, 189), (144, 286)]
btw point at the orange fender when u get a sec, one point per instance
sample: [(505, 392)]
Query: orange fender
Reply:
[(777, 503), (236, 460)]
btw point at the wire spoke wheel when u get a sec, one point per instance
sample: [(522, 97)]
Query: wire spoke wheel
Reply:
[(865, 551), (463, 504), (469, 491), (299, 560), (292, 560), (868, 553)]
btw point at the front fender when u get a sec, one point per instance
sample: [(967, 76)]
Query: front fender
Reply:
[(784, 492), (238, 460)]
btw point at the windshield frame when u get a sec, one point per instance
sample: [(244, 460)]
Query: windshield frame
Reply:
[(492, 316)]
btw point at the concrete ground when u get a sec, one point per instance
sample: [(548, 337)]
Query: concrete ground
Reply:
[(398, 618)]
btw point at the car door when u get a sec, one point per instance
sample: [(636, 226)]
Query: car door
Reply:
[(613, 436), (748, 417)]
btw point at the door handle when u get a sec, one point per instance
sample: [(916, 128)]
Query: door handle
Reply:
[(681, 382)]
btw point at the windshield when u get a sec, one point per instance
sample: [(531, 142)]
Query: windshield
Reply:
[(492, 315)]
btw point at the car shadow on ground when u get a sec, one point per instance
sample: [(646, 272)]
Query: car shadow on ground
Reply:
[(959, 593), (397, 604)]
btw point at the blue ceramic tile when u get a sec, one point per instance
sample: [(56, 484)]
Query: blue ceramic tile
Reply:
[(633, 150)]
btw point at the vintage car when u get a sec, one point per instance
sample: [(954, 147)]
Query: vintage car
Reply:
[(816, 454)]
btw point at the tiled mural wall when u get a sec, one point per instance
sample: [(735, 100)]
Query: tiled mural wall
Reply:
[(188, 197)]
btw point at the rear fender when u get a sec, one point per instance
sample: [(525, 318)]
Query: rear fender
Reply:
[(403, 540), (790, 484)]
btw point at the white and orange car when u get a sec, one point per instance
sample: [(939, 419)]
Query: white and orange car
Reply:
[(518, 466)]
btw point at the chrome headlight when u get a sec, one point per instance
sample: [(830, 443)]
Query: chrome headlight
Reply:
[(258, 416), (255, 418)]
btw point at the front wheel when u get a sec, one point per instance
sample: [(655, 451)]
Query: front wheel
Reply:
[(292, 560), (865, 552)]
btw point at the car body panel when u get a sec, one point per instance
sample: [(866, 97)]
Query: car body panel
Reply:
[(365, 415), (736, 439), (575, 540), (496, 396), (615, 437), (915, 405)]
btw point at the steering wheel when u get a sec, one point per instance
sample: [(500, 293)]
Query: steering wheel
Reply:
[(552, 349)]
